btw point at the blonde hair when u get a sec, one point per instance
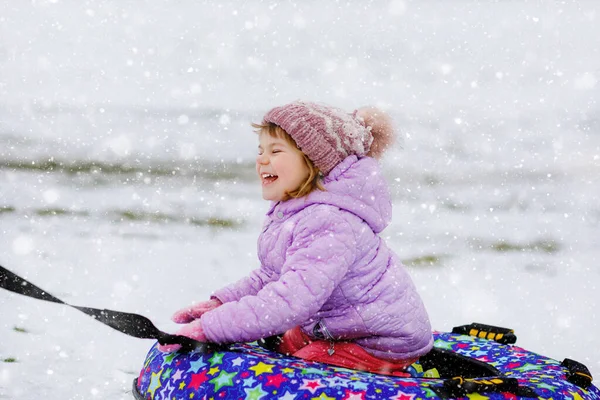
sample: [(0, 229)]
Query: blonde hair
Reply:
[(313, 181)]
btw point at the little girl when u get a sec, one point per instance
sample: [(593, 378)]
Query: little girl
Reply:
[(327, 280)]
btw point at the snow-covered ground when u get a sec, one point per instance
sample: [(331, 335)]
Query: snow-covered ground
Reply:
[(126, 158)]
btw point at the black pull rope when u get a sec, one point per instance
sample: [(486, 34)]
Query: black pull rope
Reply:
[(128, 323)]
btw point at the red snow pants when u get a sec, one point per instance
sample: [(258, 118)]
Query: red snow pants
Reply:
[(345, 354)]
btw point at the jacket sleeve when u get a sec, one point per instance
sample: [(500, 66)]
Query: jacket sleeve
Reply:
[(322, 250), (248, 285)]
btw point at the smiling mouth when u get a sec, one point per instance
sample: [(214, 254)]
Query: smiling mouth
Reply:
[(268, 178)]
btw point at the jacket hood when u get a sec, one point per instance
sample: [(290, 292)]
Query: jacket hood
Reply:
[(355, 185)]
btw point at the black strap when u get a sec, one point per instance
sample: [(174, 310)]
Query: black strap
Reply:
[(460, 387), (128, 323), (577, 373), (450, 364), (465, 375)]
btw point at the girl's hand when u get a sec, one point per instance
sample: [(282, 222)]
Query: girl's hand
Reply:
[(193, 330), (195, 311)]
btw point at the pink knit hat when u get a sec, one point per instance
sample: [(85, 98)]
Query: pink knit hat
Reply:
[(327, 135)]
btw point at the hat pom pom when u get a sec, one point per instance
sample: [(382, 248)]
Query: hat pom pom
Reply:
[(381, 127)]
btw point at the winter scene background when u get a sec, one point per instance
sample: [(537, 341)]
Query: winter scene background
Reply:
[(127, 180)]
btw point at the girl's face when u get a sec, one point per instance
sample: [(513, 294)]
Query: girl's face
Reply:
[(280, 167)]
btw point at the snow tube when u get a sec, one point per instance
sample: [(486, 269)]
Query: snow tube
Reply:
[(473, 361)]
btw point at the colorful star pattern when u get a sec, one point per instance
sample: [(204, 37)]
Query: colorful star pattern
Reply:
[(312, 385), (155, 382), (178, 374), (403, 396), (224, 379), (261, 368), (217, 358), (197, 380), (250, 372), (255, 394), (350, 395), (323, 396), (197, 365), (275, 380)]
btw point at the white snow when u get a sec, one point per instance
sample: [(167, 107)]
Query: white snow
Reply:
[(125, 132), (586, 81), (51, 196), (22, 245)]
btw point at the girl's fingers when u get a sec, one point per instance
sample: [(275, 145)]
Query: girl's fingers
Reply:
[(169, 348), (182, 316)]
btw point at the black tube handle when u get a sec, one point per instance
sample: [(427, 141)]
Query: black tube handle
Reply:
[(577, 373), (500, 335), (458, 387)]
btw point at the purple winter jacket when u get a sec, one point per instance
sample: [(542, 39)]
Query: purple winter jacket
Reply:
[(322, 261)]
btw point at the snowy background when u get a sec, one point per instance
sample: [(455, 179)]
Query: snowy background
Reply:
[(126, 162)]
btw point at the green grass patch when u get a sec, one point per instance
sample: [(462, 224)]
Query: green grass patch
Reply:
[(543, 246), (214, 222), (145, 216), (21, 330), (6, 210), (10, 360), (84, 167), (503, 246), (213, 171), (157, 217), (424, 261), (52, 212)]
